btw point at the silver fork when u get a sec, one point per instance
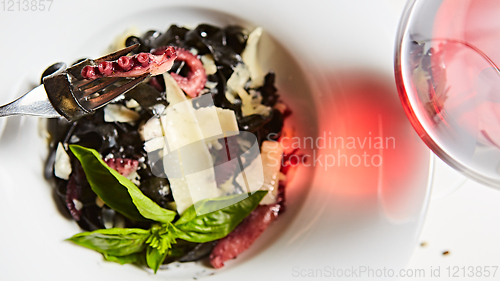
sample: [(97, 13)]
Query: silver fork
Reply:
[(65, 93)]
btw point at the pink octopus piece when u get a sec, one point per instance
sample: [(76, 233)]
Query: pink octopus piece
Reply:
[(243, 235), (123, 166), (73, 190), (131, 66), (197, 77)]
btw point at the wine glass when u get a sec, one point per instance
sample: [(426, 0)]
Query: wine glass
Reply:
[(446, 66), (447, 58)]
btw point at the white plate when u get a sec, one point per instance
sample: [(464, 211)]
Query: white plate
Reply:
[(333, 61)]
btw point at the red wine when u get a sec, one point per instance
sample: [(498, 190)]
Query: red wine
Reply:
[(449, 81)]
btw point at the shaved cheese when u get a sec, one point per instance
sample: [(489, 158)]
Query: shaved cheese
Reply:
[(180, 126), (154, 144), (151, 129), (249, 57), (171, 159), (272, 154), (246, 102), (78, 205), (252, 177), (187, 161), (238, 79), (186, 158), (249, 107), (135, 178), (258, 107), (264, 172), (250, 103), (216, 121), (174, 92), (208, 122), (119, 113), (132, 104), (62, 164), (227, 120), (262, 110), (208, 64), (210, 85), (152, 134), (230, 97)]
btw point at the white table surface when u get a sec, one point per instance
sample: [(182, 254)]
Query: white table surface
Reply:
[(466, 223)]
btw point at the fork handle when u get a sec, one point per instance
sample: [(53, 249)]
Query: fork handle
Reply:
[(33, 103)]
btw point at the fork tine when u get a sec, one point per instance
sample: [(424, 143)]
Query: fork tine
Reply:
[(101, 100), (97, 85), (117, 54), (83, 85)]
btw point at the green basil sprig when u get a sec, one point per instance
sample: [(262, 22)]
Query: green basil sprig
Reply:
[(136, 258), (217, 221), (118, 192), (113, 241), (219, 217)]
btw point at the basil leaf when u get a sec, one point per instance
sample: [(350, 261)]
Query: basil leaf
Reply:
[(136, 258), (118, 192), (162, 237), (219, 217), (113, 241), (154, 258)]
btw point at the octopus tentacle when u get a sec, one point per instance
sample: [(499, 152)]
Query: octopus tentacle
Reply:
[(131, 66), (244, 235), (122, 165), (197, 77), (72, 198), (156, 62)]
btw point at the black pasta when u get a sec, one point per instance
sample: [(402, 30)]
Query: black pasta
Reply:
[(122, 140)]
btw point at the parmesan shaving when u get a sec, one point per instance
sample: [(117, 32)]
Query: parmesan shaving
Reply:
[(188, 163), (268, 163), (62, 164), (249, 57), (208, 64), (119, 113)]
